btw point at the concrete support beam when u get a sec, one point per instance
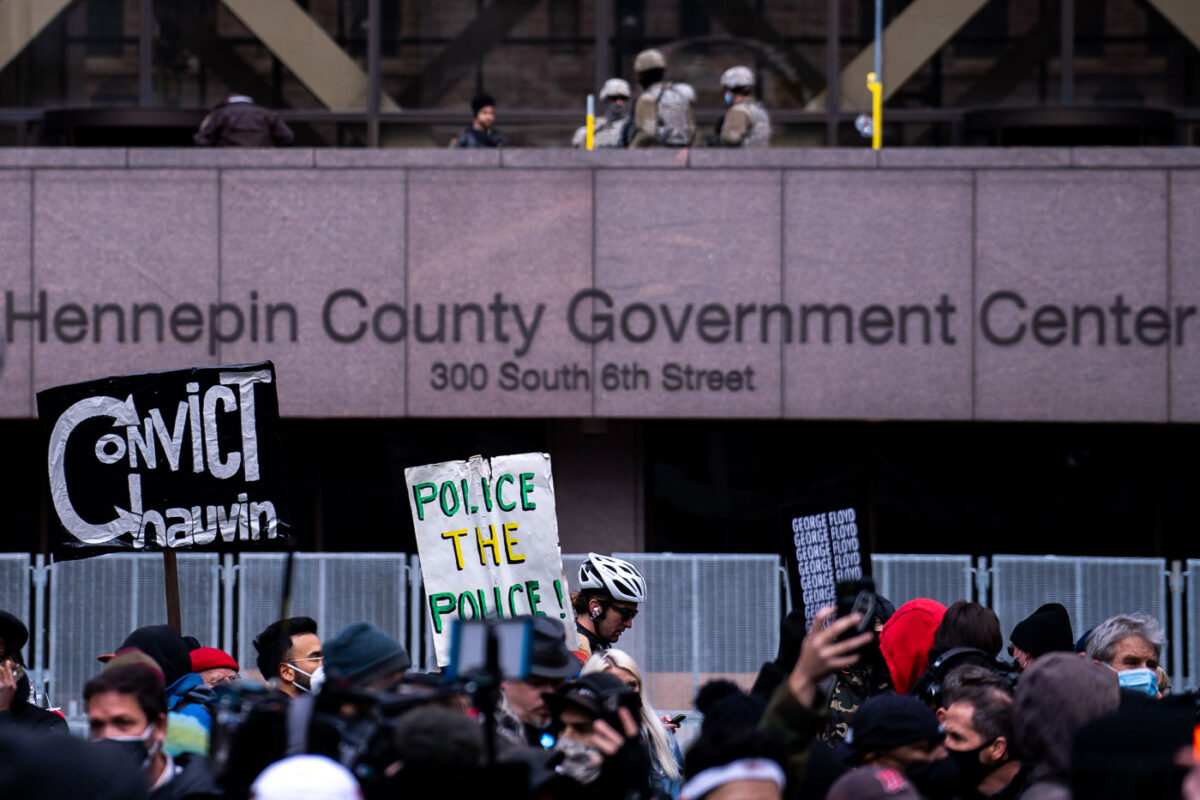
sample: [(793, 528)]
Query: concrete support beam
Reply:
[(308, 51), (908, 42), (1184, 15), (21, 21)]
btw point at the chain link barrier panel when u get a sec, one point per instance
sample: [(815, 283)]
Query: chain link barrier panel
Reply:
[(15, 592), (901, 578), (1091, 589), (335, 589), (706, 615), (1193, 621), (96, 602)]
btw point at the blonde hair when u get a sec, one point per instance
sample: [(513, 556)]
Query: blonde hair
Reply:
[(652, 727)]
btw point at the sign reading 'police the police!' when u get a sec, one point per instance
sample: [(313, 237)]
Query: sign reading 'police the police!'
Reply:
[(167, 459)]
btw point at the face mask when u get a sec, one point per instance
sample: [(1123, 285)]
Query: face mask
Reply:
[(940, 778), (728, 98), (969, 765), (141, 748), (1142, 680), (315, 679)]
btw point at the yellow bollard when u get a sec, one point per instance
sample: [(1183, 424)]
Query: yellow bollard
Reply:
[(876, 89), (591, 122)]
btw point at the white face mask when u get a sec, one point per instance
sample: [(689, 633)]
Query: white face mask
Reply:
[(315, 679)]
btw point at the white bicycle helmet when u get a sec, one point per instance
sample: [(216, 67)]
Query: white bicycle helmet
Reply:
[(616, 577)]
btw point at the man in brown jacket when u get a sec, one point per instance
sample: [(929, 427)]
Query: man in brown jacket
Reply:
[(238, 122)]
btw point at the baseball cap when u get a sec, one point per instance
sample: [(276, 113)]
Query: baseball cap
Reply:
[(888, 721)]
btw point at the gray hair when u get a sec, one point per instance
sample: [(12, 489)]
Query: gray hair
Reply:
[(1102, 643)]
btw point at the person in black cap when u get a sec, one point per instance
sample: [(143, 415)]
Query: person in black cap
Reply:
[(15, 709), (482, 130), (596, 716), (523, 717), (892, 731), (1047, 630)]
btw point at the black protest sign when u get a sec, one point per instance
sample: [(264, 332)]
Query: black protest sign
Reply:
[(167, 459), (824, 543)]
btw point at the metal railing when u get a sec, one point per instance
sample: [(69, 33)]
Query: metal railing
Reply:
[(706, 615)]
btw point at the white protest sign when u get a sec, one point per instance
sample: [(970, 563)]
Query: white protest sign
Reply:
[(488, 539)]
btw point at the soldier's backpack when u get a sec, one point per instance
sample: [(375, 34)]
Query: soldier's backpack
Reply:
[(673, 109)]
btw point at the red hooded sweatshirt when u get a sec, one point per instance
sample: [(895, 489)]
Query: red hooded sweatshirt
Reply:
[(906, 638)]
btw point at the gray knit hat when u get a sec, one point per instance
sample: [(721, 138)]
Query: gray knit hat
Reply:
[(360, 652)]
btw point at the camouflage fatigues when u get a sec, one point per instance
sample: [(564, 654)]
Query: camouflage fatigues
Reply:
[(650, 122), (797, 725), (607, 133), (746, 125), (851, 690)]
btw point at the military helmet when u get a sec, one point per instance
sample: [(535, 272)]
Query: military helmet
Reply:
[(737, 78), (614, 87), (648, 60)]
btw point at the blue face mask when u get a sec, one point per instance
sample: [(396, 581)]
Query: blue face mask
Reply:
[(1141, 680), (728, 98)]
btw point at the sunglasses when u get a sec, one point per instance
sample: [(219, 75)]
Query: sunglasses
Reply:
[(626, 613)]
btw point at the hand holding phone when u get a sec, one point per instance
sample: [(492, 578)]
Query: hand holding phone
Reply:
[(857, 597)]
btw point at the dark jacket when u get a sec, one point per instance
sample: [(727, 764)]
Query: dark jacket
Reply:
[(238, 122), (25, 717), (797, 725), (473, 137), (193, 781), (1056, 696)]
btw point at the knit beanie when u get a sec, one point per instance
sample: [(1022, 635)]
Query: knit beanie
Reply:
[(211, 658), (360, 652), (1047, 630)]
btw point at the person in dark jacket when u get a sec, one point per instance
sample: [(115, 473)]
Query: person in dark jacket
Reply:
[(1056, 696), (482, 130), (238, 122), (127, 714), (187, 695), (16, 711), (72, 769)]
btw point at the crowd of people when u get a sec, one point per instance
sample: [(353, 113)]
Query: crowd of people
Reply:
[(660, 116), (908, 702)]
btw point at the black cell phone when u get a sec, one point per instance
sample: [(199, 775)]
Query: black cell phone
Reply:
[(857, 597), (678, 719)]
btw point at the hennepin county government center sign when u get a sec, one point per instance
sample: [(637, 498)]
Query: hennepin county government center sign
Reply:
[(1035, 284)]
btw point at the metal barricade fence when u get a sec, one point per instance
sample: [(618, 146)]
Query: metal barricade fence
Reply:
[(15, 593), (335, 589), (706, 615), (1091, 589), (96, 602), (1193, 620), (901, 578)]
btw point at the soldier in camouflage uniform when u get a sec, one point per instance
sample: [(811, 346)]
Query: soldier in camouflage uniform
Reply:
[(662, 115), (616, 114), (746, 123)]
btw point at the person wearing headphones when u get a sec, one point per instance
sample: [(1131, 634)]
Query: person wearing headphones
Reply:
[(610, 590)]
